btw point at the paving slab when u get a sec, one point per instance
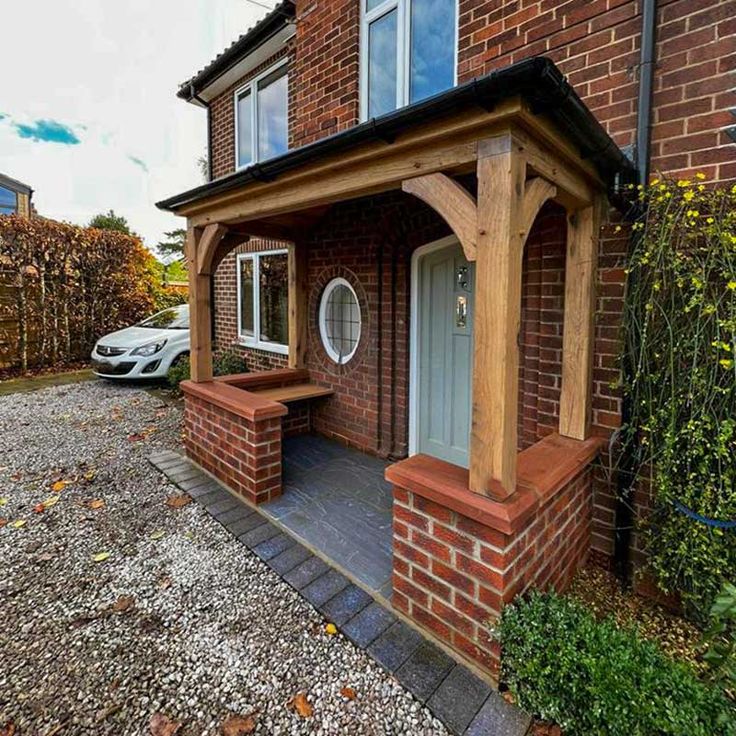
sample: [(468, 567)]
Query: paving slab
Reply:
[(496, 717), (347, 603), (241, 511), (223, 505), (364, 628), (288, 560), (425, 670), (457, 700), (244, 525), (258, 534), (395, 646)]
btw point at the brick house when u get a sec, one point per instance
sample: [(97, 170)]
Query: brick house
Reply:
[(410, 236)]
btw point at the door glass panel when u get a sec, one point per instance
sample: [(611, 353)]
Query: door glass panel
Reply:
[(432, 50), (273, 114), (382, 65), (246, 297), (274, 298), (245, 143)]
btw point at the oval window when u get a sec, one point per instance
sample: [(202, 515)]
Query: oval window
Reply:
[(339, 320)]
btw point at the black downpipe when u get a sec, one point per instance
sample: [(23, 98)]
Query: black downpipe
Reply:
[(394, 280), (379, 347), (628, 464)]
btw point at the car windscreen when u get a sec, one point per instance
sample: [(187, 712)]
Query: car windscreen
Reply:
[(175, 318)]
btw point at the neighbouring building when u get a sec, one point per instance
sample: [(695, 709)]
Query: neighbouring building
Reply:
[(15, 197), (410, 235)]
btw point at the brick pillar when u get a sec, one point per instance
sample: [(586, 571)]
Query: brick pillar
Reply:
[(243, 452), (459, 557)]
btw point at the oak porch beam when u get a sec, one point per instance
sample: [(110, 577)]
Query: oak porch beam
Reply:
[(200, 330), (207, 247), (583, 228), (452, 202), (536, 192), (493, 441)]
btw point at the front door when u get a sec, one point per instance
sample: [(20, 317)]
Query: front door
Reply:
[(444, 337)]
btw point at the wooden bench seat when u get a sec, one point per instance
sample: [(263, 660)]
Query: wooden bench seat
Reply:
[(294, 392)]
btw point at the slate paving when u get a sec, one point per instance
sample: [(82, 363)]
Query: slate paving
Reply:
[(465, 703)]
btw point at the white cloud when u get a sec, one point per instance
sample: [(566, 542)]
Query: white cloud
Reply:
[(109, 71)]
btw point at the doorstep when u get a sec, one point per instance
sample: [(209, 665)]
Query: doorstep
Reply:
[(456, 696)]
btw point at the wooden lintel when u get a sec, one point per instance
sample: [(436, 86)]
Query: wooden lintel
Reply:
[(452, 202), (583, 230), (536, 192), (493, 439), (207, 247), (298, 307), (270, 231)]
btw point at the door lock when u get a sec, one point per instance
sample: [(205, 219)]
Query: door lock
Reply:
[(461, 311)]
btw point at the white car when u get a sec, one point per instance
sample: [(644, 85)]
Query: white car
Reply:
[(145, 350)]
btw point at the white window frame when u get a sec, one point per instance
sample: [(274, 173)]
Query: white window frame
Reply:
[(335, 356), (255, 341), (252, 86), (403, 49)]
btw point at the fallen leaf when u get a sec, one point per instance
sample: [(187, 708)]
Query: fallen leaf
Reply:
[(50, 501), (164, 582), (3, 521), (100, 556), (60, 485), (238, 725), (18, 524), (178, 501), (136, 437), (90, 475), (158, 534), (301, 705), (331, 629), (3, 501), (8, 729), (39, 508), (96, 503), (161, 725), (45, 557), (123, 603), (349, 693)]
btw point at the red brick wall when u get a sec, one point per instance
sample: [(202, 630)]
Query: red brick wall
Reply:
[(244, 455), (452, 574)]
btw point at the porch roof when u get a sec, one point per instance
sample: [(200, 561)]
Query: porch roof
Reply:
[(537, 81)]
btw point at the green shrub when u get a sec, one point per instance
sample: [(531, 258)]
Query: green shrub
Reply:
[(680, 379), (595, 679), (224, 363), (720, 639)]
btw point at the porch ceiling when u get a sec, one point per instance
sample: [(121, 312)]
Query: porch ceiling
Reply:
[(438, 134)]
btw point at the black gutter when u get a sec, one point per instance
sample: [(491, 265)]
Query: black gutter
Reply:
[(628, 464), (538, 81), (260, 33)]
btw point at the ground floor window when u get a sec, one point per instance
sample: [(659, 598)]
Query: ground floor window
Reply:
[(263, 300), (339, 320)]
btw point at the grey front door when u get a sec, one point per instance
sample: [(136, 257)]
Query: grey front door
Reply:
[(445, 352)]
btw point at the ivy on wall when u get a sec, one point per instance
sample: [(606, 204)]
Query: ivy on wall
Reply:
[(680, 348)]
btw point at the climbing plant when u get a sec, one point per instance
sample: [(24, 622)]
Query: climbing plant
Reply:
[(680, 340)]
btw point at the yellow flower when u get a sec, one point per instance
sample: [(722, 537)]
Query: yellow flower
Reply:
[(726, 363), (689, 194), (700, 175), (710, 220), (654, 182), (617, 229), (731, 285), (683, 183)]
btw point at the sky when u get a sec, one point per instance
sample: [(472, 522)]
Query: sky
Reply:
[(89, 116)]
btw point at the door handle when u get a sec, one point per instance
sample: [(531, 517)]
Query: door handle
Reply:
[(461, 311)]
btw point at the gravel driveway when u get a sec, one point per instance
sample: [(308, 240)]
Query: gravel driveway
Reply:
[(177, 619)]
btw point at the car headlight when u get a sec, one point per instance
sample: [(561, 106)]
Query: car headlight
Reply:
[(151, 349)]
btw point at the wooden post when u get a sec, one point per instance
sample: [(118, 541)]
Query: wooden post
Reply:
[(297, 305), (583, 227), (493, 443), (200, 337)]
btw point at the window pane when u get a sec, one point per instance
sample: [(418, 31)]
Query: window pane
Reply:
[(245, 147), (273, 106), (341, 322), (246, 297), (8, 201), (432, 47), (382, 65), (370, 4), (274, 298)]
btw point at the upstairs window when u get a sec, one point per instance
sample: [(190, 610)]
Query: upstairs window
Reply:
[(263, 300), (8, 201), (408, 52), (261, 117)]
